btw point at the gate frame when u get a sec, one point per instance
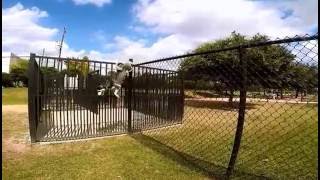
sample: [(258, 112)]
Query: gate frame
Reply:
[(38, 86)]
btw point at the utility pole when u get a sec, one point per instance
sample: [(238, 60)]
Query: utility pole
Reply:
[(43, 52), (60, 46)]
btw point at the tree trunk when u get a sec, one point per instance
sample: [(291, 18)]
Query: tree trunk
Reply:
[(264, 92), (231, 96), (297, 93), (281, 93)]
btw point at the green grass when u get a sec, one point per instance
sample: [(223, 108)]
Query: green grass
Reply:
[(122, 157), (279, 140), (14, 96)]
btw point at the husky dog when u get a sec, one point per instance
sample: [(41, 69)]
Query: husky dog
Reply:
[(122, 69)]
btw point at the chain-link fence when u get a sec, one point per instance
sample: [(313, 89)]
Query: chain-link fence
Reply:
[(250, 110)]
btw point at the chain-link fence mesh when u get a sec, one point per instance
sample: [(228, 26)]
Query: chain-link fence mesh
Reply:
[(278, 83)]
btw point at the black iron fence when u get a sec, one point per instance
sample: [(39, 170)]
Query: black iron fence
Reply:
[(64, 102), (246, 111)]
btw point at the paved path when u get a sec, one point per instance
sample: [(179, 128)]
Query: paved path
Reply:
[(254, 100)]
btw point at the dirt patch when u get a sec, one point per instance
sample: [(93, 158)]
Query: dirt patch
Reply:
[(14, 131), (15, 108), (16, 146)]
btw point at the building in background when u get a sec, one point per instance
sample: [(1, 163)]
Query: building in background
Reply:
[(8, 59)]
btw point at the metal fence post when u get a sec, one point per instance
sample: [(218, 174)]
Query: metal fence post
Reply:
[(31, 98), (129, 96), (241, 115)]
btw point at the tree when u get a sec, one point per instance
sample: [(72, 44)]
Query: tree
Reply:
[(6, 80), (18, 71), (303, 78), (267, 65), (49, 71), (77, 66)]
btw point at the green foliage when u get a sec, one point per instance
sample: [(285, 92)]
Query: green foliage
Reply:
[(77, 66), (303, 77), (18, 71), (19, 64), (49, 71), (269, 66), (6, 80)]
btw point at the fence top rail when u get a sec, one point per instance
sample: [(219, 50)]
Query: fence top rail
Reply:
[(71, 59), (249, 45), (153, 68)]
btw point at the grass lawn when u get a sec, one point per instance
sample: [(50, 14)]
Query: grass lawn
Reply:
[(14, 96), (121, 157), (280, 141)]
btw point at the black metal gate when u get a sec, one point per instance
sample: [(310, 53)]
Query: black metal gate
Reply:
[(64, 104)]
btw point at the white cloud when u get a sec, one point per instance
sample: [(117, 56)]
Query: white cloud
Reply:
[(179, 25), (22, 34), (205, 19), (20, 31), (98, 3), (183, 25), (186, 24)]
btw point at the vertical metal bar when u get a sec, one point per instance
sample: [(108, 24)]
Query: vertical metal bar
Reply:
[(80, 89), (112, 107), (104, 101), (147, 99), (151, 99), (75, 124), (133, 98), (90, 112), (46, 98), (63, 105), (68, 97), (241, 115), (61, 100), (162, 96), (109, 101), (94, 114), (38, 85), (136, 98), (99, 101), (130, 86), (120, 109), (182, 96), (87, 96), (58, 98), (31, 107), (159, 97), (80, 85), (155, 99), (175, 96)]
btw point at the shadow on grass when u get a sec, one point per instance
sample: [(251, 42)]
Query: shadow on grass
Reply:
[(207, 168), (219, 105)]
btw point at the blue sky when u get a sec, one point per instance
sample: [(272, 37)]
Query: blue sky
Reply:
[(144, 29), (84, 22)]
